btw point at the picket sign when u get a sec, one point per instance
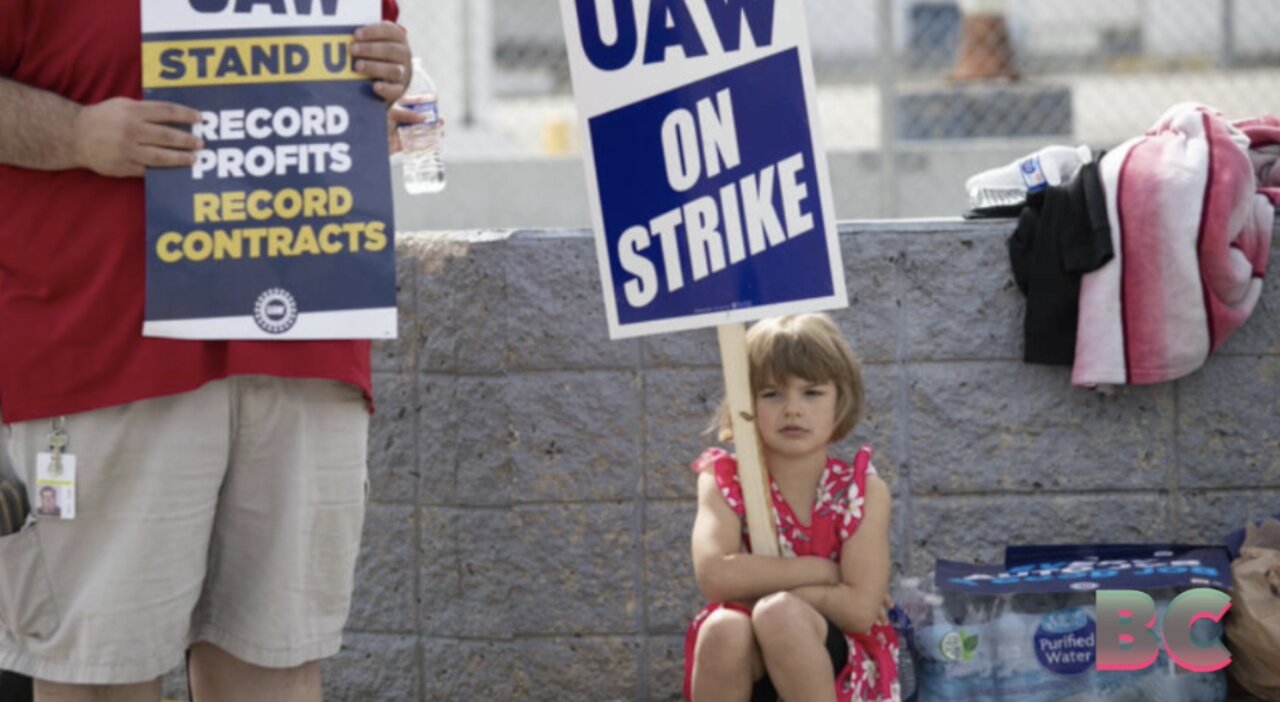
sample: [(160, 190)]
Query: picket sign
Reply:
[(283, 228), (710, 199)]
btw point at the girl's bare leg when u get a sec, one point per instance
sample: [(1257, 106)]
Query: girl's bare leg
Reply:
[(792, 637), (726, 660)]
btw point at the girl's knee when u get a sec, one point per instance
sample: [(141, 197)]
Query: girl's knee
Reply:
[(726, 637), (782, 615)]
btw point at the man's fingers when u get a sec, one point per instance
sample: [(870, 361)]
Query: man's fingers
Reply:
[(168, 137), (403, 118), (389, 52), (389, 92), (158, 157), (167, 112), (400, 116), (381, 31), (382, 53), (383, 70)]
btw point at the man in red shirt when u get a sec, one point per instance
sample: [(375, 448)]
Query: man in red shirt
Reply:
[(219, 489)]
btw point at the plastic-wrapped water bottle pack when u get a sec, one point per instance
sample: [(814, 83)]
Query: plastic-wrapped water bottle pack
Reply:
[(1027, 631)]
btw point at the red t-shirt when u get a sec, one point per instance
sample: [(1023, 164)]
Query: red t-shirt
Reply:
[(73, 251)]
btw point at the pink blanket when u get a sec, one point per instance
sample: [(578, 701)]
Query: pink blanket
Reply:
[(1191, 205)]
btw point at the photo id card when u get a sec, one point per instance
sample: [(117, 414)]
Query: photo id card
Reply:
[(55, 486)]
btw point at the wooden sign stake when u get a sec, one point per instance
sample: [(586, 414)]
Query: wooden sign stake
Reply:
[(746, 441)]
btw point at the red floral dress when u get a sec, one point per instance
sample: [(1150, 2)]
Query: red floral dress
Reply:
[(871, 674)]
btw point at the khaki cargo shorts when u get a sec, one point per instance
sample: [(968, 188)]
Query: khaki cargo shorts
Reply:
[(230, 514)]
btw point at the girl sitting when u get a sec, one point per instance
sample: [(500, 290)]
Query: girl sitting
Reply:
[(809, 626)]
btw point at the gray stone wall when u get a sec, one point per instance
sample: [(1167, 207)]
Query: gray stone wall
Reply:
[(531, 502)]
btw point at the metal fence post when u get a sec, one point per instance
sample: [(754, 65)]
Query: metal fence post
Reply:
[(886, 77), (479, 59), (1228, 56)]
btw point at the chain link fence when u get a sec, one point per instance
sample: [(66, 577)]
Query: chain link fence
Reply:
[(897, 77)]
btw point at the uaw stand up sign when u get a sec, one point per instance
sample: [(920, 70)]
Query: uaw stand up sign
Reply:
[(709, 191), (283, 227)]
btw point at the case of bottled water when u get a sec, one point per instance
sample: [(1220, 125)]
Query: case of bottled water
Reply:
[(1026, 631)]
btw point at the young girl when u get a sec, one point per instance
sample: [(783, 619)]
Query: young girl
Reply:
[(808, 626)]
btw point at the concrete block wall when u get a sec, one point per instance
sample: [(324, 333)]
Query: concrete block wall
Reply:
[(527, 536)]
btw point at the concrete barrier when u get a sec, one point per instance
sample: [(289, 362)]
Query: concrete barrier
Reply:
[(531, 501)]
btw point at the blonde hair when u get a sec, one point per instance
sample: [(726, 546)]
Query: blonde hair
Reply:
[(807, 346)]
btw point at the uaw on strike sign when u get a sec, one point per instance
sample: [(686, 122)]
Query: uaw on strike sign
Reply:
[(710, 196), (283, 227)]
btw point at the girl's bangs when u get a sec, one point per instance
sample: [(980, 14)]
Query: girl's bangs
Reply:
[(786, 355)]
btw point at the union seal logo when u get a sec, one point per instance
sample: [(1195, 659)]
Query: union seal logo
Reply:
[(275, 311)]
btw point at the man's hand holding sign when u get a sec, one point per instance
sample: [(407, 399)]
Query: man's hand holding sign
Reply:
[(121, 137), (382, 53)]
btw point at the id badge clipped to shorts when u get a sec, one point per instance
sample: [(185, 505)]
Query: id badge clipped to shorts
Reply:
[(56, 476)]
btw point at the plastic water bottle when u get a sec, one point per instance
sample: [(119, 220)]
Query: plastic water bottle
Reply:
[(906, 653), (422, 143), (1008, 185)]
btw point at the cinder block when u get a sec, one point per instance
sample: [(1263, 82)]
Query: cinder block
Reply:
[(983, 427), (666, 668), (669, 579), (900, 523), (872, 321), (577, 435), (466, 572), (439, 572), (484, 473), (1229, 423), (400, 355), (679, 405), (373, 668), (977, 529), (1206, 517), (461, 299), (456, 670), (879, 426), (580, 567), (384, 595), (393, 455), (438, 421), (695, 348), (960, 298), (580, 668), (556, 315), (464, 435)]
